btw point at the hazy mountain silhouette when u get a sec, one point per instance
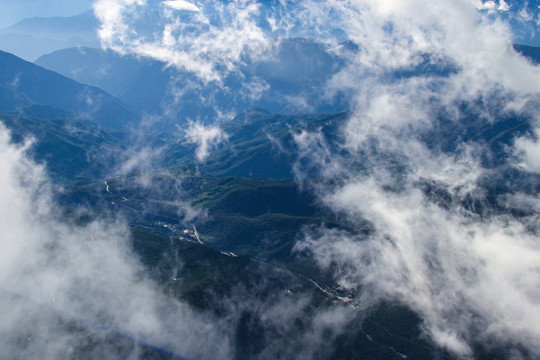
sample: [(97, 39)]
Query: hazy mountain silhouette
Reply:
[(23, 84)]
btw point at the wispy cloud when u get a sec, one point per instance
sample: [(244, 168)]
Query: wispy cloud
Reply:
[(528, 150), (205, 137), (206, 42), (459, 272), (181, 5)]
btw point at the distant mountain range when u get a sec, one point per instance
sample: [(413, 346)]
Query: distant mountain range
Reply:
[(33, 37), (289, 82), (23, 84), (293, 81)]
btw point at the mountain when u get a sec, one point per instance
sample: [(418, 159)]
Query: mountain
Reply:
[(261, 144), (256, 217), (260, 219), (293, 78), (289, 82), (70, 149), (33, 37), (207, 276), (82, 25), (23, 84), (245, 231), (102, 68)]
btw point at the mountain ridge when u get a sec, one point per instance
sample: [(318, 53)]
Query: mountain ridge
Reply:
[(23, 83), (32, 37)]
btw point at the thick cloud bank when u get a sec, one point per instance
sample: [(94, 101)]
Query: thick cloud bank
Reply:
[(71, 291)]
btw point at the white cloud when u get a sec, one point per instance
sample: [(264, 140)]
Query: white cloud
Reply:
[(447, 266), (181, 5), (529, 150), (314, 154), (503, 6), (255, 88), (492, 5), (438, 254), (205, 137), (207, 43), (64, 287), (139, 159)]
